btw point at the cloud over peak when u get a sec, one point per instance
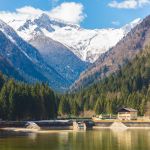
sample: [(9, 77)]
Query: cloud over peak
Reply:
[(128, 4), (28, 10), (68, 11)]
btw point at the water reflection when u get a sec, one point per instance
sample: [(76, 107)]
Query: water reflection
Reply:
[(63, 137), (32, 136), (123, 138), (90, 140)]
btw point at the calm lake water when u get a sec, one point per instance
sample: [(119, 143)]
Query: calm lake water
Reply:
[(90, 140)]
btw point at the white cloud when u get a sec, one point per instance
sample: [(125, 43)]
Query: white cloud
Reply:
[(116, 23), (54, 2), (143, 2), (128, 4), (70, 12), (29, 10)]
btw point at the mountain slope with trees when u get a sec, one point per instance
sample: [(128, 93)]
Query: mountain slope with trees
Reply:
[(59, 57), (128, 87), (119, 55), (20, 101), (27, 60), (9, 70)]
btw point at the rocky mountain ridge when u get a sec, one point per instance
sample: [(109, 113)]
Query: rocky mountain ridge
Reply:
[(125, 50), (86, 44)]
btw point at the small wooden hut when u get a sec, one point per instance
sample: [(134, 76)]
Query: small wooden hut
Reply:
[(127, 114)]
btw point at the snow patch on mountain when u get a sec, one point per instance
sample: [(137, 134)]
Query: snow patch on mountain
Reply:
[(87, 44)]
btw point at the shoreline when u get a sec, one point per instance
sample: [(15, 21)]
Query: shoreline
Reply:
[(119, 128), (24, 130), (51, 126), (44, 131)]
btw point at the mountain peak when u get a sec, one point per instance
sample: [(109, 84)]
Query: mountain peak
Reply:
[(44, 16), (86, 44), (146, 22), (131, 25), (122, 53), (54, 21)]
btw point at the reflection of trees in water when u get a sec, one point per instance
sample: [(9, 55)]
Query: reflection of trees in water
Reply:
[(63, 141), (63, 137), (103, 139), (148, 138), (111, 140), (132, 139), (123, 138), (32, 136), (92, 140), (141, 138)]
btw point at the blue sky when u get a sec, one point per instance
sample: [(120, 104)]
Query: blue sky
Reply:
[(97, 13)]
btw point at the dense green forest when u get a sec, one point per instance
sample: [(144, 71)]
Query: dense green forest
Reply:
[(129, 87), (20, 101)]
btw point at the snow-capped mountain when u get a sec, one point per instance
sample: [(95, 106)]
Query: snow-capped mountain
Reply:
[(26, 48), (55, 51), (88, 45), (26, 60), (59, 57), (125, 51)]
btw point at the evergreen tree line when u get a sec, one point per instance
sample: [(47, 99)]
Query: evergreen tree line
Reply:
[(129, 87), (20, 101)]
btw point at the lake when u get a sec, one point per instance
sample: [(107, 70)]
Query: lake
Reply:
[(103, 139)]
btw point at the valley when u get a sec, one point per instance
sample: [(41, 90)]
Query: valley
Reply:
[(74, 75), (62, 50), (55, 53)]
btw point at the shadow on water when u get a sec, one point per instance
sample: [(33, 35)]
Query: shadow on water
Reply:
[(104, 139)]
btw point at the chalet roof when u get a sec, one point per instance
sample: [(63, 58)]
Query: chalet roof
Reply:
[(127, 110)]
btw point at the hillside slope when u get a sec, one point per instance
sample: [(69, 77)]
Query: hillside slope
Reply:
[(119, 55), (59, 57), (27, 60), (128, 87), (9, 70)]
